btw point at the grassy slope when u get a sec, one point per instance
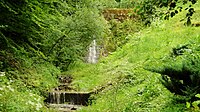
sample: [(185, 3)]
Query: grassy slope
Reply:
[(23, 91), (135, 89)]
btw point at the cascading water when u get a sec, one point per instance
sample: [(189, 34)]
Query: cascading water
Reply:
[(65, 100), (72, 98), (93, 53)]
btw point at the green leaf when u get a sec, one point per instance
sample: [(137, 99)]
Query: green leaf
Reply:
[(188, 105), (195, 104), (197, 95)]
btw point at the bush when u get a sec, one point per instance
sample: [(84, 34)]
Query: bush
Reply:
[(119, 33), (181, 72)]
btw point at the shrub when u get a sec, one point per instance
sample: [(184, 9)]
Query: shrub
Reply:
[(181, 72)]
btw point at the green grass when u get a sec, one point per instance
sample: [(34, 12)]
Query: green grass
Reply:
[(25, 90), (134, 88)]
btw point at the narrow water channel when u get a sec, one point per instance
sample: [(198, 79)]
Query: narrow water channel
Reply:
[(65, 100)]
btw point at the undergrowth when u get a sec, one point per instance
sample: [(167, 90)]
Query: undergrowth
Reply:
[(24, 89), (135, 89)]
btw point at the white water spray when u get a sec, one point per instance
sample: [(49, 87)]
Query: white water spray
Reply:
[(93, 55)]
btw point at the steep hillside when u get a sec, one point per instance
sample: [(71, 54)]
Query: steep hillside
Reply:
[(133, 88)]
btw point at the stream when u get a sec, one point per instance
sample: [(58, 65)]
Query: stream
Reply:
[(64, 99)]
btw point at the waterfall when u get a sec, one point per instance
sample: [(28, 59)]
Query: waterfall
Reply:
[(73, 98), (93, 53), (65, 100)]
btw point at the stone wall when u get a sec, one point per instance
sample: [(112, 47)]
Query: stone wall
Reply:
[(119, 14)]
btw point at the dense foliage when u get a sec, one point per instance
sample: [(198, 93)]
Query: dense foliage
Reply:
[(133, 88), (39, 39), (180, 72), (151, 9), (57, 31), (119, 34)]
